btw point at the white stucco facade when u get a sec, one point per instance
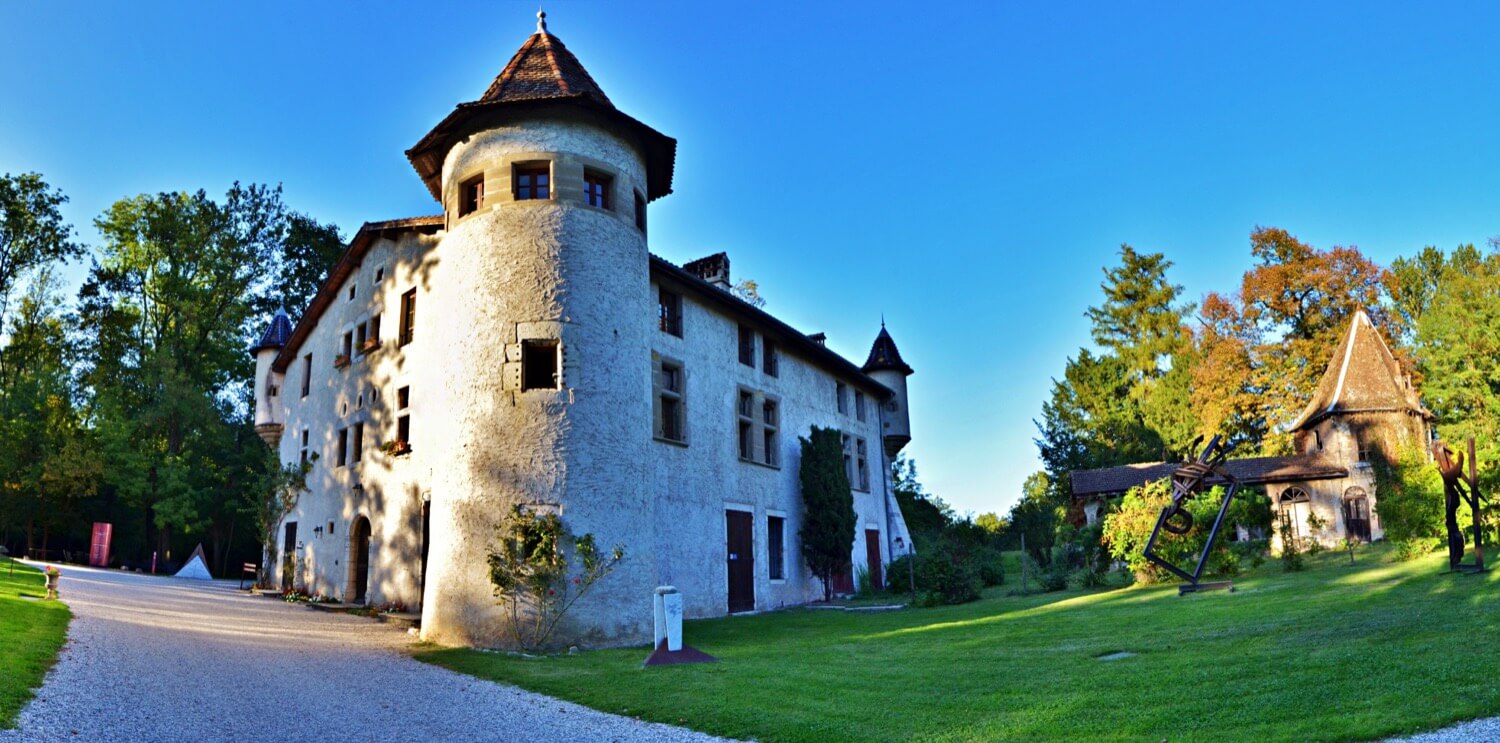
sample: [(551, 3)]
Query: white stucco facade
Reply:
[(468, 303)]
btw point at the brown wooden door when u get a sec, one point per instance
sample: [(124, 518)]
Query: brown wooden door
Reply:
[(872, 558), (359, 560), (1357, 518), (740, 540)]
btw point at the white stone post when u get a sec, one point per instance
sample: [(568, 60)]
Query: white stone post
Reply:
[(667, 604)]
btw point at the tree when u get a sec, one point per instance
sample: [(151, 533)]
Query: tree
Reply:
[(828, 520), (748, 290), (308, 254), (33, 235), (1035, 516), (1140, 321), (926, 515), (167, 313)]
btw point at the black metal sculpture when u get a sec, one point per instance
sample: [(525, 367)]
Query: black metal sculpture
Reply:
[(1188, 481), (1458, 486)]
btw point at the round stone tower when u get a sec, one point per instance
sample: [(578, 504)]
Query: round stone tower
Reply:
[(886, 367), (536, 305)]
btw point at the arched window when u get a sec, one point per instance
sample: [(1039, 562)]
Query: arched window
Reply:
[(1295, 494)]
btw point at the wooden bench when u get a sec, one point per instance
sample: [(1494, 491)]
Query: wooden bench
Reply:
[(251, 569)]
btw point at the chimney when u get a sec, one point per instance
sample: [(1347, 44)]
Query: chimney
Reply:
[(714, 269), (819, 338)]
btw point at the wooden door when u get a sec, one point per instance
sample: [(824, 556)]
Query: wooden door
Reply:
[(359, 560), (289, 556), (872, 558), (1357, 518), (740, 540)]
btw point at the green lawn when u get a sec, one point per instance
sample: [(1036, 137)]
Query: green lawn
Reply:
[(31, 633), (1333, 653)]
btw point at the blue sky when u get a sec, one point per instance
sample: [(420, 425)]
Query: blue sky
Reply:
[(965, 169)]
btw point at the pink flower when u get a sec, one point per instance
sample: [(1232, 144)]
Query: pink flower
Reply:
[(551, 592), (575, 580)]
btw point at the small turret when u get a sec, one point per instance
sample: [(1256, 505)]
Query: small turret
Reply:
[(886, 367), (268, 421)]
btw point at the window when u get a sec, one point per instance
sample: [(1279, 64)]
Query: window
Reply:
[(471, 195), (669, 312), (596, 188), (770, 362), (403, 420), (403, 398), (770, 422), (408, 316), (345, 350), (351, 291), (1364, 449), (361, 334), (343, 458), (776, 546), (848, 458), (841, 391), (861, 465), (1295, 508), (747, 346), (380, 274), (640, 211), (859, 405), (669, 388), (304, 446), (531, 181), (747, 426), (372, 340), (539, 365), (359, 442), (306, 374)]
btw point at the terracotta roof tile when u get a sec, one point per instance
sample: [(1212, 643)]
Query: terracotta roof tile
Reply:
[(1362, 376), (544, 68)]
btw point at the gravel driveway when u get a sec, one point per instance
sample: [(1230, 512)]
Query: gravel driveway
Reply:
[(161, 659)]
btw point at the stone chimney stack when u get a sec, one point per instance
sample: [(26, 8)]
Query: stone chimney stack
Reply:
[(714, 269)]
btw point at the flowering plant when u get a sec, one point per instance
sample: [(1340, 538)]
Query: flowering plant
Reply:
[(53, 572), (529, 571), (341, 360), (396, 447)]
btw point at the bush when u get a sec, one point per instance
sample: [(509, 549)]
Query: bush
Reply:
[(1251, 550), (1291, 552), (946, 578), (991, 567), (1128, 527), (1412, 505)]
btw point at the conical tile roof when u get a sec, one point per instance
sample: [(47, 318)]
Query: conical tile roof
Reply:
[(276, 334), (544, 68), (1362, 377), (884, 354)]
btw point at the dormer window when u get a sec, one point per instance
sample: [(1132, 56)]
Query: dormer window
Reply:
[(471, 195), (532, 181), (596, 188)]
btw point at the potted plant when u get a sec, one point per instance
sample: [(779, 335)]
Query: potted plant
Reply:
[(396, 447), (54, 576), (340, 361), (369, 345)]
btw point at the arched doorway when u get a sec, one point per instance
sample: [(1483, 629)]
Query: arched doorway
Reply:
[(359, 560), (1295, 507), (1357, 514)]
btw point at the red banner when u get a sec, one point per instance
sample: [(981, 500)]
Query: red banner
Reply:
[(99, 549)]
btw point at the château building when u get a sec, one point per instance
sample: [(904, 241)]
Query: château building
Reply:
[(525, 347)]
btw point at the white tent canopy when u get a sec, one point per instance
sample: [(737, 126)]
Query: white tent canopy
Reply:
[(196, 568)]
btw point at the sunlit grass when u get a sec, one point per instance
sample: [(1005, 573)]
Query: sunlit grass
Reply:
[(31, 633), (1337, 652)]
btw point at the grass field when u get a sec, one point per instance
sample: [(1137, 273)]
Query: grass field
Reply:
[(31, 633), (1333, 653)]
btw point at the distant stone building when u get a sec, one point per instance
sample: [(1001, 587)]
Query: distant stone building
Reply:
[(524, 347), (1364, 404)]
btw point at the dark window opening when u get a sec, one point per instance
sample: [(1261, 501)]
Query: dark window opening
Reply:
[(747, 346), (359, 442), (776, 546), (770, 361), (304, 446), (539, 365), (842, 391), (471, 195), (306, 374), (408, 316), (669, 312), (672, 427), (403, 429), (769, 424), (859, 405), (532, 181), (747, 426), (640, 211), (403, 398), (343, 458), (596, 189)]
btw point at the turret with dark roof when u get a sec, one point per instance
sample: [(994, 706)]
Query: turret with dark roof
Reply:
[(884, 354), (276, 335)]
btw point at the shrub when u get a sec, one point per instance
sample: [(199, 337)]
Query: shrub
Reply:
[(1411, 505), (943, 579), (1291, 552), (1127, 529), (828, 519), (991, 567), (1251, 550), (529, 571)]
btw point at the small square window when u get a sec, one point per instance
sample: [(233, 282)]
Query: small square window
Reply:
[(471, 195), (669, 312), (539, 365), (596, 187), (531, 181)]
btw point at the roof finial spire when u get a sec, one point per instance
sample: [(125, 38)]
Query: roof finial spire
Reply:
[(882, 321), (541, 20)]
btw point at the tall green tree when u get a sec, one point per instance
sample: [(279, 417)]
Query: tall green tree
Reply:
[(33, 234), (167, 313), (828, 518), (308, 253)]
